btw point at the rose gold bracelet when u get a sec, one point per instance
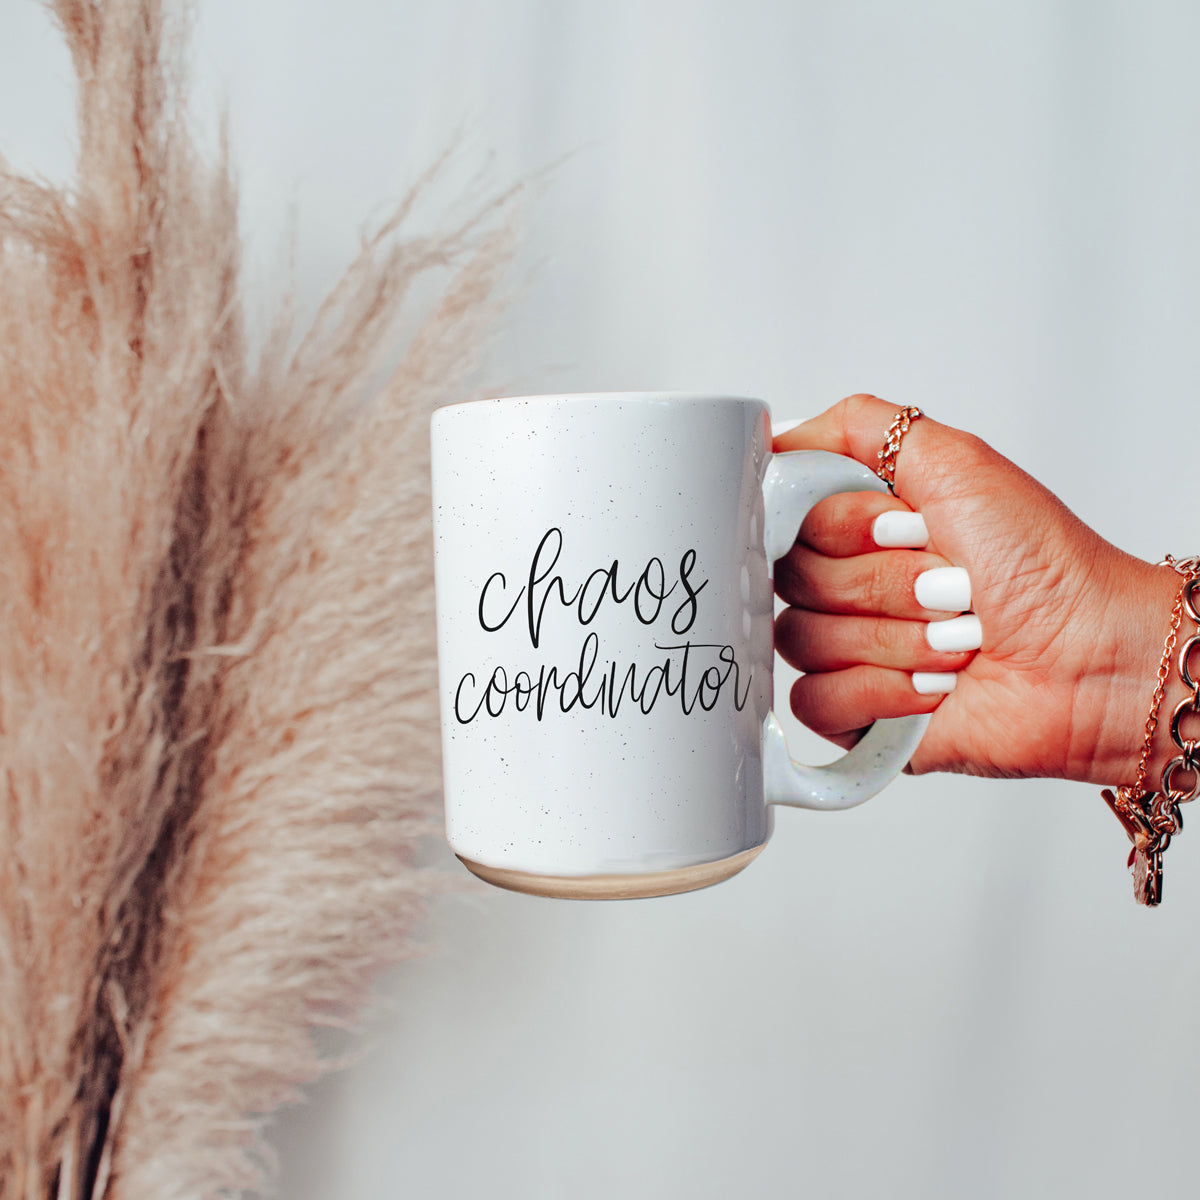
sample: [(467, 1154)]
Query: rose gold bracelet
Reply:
[(1151, 818)]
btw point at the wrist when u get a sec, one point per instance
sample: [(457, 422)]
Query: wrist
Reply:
[(1121, 681)]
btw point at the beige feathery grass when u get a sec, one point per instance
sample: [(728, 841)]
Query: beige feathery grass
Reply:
[(217, 724)]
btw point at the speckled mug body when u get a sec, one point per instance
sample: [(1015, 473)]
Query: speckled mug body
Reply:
[(604, 611)]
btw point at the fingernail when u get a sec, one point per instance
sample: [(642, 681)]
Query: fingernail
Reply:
[(934, 683), (959, 633), (899, 528), (943, 589)]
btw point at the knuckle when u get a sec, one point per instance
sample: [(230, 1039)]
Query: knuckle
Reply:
[(971, 458), (902, 570), (818, 523), (809, 701), (879, 646), (793, 638), (972, 450), (790, 581), (881, 584), (857, 408), (831, 523), (859, 401)]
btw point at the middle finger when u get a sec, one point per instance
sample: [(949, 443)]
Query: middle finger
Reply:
[(876, 584)]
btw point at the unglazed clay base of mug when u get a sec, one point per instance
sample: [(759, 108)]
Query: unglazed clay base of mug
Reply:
[(615, 887)]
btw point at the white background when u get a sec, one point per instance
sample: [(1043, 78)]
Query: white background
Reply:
[(988, 209)]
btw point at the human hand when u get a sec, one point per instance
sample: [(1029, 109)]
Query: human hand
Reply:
[(1072, 628)]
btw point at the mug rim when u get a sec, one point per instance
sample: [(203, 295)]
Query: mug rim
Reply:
[(648, 397)]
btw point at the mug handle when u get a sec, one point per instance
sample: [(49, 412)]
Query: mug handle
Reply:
[(794, 482)]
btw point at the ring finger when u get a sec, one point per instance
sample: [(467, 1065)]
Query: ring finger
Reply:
[(816, 641)]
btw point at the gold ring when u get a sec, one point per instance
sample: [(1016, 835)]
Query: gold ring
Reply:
[(891, 445)]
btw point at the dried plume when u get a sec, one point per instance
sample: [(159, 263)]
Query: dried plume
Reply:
[(217, 725)]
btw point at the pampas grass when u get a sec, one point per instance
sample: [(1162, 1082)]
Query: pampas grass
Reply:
[(217, 723)]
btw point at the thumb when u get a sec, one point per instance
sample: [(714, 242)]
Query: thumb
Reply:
[(857, 428)]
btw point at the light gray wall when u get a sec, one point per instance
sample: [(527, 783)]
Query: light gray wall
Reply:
[(988, 209)]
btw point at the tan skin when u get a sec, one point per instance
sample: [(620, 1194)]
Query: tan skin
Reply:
[(1073, 628)]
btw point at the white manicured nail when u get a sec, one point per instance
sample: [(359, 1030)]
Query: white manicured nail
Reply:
[(934, 683), (899, 528), (943, 589), (959, 633)]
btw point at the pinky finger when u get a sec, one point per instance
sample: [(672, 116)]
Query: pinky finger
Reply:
[(839, 703)]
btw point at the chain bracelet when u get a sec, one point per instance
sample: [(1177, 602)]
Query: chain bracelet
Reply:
[(1150, 819), (1187, 758), (1165, 815)]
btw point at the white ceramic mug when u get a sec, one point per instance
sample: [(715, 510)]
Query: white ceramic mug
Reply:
[(605, 640)]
